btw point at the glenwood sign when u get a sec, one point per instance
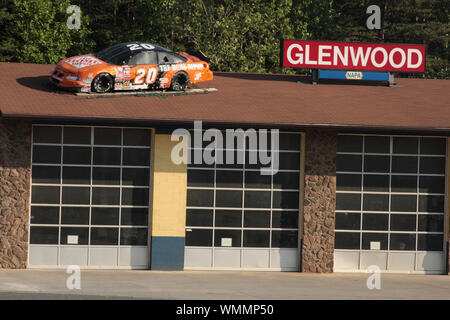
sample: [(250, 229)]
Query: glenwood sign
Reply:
[(353, 56)]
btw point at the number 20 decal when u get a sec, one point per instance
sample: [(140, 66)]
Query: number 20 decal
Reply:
[(152, 73), (138, 46)]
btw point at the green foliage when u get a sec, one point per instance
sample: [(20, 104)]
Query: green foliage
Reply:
[(241, 35), (237, 35), (403, 21), (7, 47), (39, 32)]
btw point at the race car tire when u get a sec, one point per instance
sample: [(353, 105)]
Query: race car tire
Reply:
[(180, 81), (102, 83)]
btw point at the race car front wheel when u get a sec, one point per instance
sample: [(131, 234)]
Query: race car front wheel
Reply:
[(180, 81), (102, 83)]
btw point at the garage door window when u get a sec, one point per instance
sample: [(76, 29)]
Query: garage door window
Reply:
[(90, 186), (390, 193), (234, 206)]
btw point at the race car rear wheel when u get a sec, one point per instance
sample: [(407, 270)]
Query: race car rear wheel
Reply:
[(102, 83), (180, 81)]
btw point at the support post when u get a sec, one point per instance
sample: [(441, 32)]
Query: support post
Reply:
[(315, 76), (391, 79)]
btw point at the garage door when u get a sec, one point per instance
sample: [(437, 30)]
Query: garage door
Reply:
[(89, 196), (390, 203), (239, 219)]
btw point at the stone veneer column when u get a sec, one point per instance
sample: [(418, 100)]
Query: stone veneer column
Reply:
[(447, 243), (15, 139), (319, 201)]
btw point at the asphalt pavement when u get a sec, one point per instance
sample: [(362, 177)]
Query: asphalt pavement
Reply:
[(223, 285)]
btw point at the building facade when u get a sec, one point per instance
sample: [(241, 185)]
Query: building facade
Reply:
[(91, 182), (110, 197)]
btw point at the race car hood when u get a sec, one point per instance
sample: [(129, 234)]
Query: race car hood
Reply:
[(80, 63)]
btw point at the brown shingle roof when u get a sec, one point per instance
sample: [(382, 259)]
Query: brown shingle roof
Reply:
[(270, 100)]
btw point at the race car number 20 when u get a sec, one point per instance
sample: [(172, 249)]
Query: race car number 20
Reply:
[(152, 73)]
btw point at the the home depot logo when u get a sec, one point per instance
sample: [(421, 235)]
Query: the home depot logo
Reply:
[(353, 75)]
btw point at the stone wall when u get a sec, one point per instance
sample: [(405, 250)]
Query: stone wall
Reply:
[(15, 139), (319, 201)]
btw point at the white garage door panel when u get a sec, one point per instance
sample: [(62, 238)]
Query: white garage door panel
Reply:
[(401, 261), (346, 260), (254, 258), (237, 218), (43, 255), (284, 259), (373, 258), (103, 256), (89, 196), (134, 256), (391, 203), (227, 258), (74, 256), (197, 257), (430, 261)]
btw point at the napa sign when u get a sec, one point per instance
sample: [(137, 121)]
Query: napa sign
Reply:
[(353, 56), (353, 75)]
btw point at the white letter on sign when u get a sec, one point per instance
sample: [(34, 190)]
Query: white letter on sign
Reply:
[(324, 54), (374, 21), (419, 56), (373, 59), (307, 61), (360, 56), (391, 58), (338, 53), (299, 56)]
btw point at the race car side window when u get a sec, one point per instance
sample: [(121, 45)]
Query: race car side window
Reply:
[(144, 57), (169, 58), (117, 55)]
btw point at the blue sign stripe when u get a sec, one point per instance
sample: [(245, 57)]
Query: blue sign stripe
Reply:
[(353, 75)]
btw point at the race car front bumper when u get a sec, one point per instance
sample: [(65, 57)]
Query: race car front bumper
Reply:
[(68, 81)]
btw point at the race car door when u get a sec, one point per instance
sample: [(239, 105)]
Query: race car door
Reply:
[(144, 69)]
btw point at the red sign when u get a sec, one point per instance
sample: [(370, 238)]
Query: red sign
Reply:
[(353, 56)]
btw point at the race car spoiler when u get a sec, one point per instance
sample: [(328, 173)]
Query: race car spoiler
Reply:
[(198, 54)]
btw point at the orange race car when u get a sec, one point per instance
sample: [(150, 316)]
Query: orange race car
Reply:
[(131, 66)]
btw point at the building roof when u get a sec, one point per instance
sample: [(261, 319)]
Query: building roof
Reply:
[(242, 99)]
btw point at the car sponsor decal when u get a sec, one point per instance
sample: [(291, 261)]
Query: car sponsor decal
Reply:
[(164, 68), (83, 61), (151, 73), (180, 66), (189, 66), (140, 46), (121, 74)]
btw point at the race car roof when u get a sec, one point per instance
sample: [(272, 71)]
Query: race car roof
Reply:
[(118, 53), (139, 46), (241, 100)]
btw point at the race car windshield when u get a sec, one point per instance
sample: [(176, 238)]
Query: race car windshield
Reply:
[(117, 55)]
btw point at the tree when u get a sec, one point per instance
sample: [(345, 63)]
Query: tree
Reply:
[(237, 35), (41, 33), (7, 47), (403, 21)]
